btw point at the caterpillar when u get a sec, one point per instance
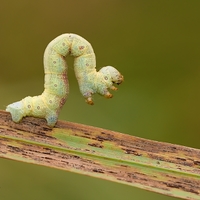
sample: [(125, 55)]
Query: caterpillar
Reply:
[(56, 86)]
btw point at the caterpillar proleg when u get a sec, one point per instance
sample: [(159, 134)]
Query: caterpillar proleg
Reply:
[(56, 87)]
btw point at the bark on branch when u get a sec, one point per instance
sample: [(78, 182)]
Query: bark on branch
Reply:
[(165, 168)]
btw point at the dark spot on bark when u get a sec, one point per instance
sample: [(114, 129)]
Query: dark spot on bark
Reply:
[(95, 145), (98, 171), (131, 151), (178, 158), (196, 162)]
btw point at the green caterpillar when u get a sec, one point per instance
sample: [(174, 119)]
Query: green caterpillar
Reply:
[(56, 86)]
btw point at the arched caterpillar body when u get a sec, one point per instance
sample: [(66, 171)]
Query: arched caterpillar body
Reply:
[(56, 87)]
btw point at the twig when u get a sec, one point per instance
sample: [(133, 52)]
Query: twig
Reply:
[(165, 168)]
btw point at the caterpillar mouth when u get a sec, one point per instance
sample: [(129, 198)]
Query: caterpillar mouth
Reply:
[(119, 81)]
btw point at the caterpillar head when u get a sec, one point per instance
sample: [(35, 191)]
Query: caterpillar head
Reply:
[(111, 74)]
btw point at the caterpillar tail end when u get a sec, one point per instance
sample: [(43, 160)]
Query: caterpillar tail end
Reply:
[(15, 109)]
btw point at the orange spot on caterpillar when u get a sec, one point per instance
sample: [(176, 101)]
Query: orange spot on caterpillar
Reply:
[(81, 47)]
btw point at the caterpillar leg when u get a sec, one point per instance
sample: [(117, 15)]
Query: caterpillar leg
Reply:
[(89, 101), (16, 111), (51, 118), (113, 87), (108, 95)]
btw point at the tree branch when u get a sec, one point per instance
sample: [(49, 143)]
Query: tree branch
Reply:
[(168, 169)]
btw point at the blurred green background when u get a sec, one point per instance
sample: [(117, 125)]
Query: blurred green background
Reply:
[(154, 44)]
